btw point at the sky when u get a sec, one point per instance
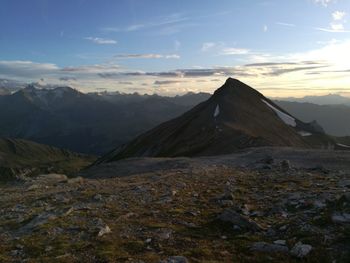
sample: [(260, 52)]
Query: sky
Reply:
[(282, 48)]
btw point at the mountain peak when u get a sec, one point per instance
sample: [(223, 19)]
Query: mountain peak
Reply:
[(235, 117), (232, 81), (233, 88)]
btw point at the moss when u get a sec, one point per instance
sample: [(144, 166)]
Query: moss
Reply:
[(134, 247)]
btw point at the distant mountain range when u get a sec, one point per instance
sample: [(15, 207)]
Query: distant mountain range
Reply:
[(95, 123), (335, 119), (234, 118), (330, 99), (88, 123)]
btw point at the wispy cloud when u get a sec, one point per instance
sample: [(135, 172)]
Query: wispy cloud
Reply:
[(125, 82), (222, 48), (337, 25), (324, 3), (166, 82), (265, 28), (25, 69), (285, 24), (147, 56), (67, 79), (101, 41), (334, 29), (207, 46), (160, 21), (92, 68), (177, 45), (235, 51)]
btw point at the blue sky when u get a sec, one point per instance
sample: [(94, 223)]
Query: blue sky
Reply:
[(170, 47)]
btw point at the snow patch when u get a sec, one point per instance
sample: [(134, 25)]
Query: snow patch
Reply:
[(343, 145), (217, 111), (304, 133), (287, 119)]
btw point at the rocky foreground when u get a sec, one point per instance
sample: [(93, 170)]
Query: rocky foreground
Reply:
[(273, 207)]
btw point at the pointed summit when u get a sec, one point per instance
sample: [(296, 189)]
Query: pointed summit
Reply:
[(235, 117)]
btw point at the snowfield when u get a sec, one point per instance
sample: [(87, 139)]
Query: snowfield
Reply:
[(289, 120), (217, 111)]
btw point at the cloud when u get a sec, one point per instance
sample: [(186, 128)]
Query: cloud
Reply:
[(177, 45), (326, 66), (207, 46), (160, 21), (101, 41), (235, 51), (67, 79), (285, 24), (338, 15), (166, 82), (324, 3), (281, 71), (97, 68), (265, 28), (336, 26), (266, 64), (146, 56), (25, 69), (125, 82), (334, 29)]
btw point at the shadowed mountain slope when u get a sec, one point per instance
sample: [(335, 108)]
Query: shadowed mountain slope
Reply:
[(25, 158), (235, 117)]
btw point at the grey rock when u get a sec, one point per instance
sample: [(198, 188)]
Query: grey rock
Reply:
[(55, 177), (104, 230), (175, 259), (280, 242), (300, 250), (164, 233), (344, 183), (341, 218), (98, 197), (38, 221), (231, 216), (75, 180), (285, 165), (33, 187), (269, 248)]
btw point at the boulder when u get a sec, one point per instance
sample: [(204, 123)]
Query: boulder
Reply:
[(269, 248), (175, 259), (300, 250), (238, 221)]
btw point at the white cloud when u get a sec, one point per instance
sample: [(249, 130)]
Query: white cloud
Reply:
[(338, 15), (170, 19), (285, 24), (101, 41), (334, 29), (265, 28), (337, 25), (235, 51), (25, 69), (147, 56), (92, 69), (325, 3)]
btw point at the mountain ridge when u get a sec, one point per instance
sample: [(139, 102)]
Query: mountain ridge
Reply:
[(236, 116)]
